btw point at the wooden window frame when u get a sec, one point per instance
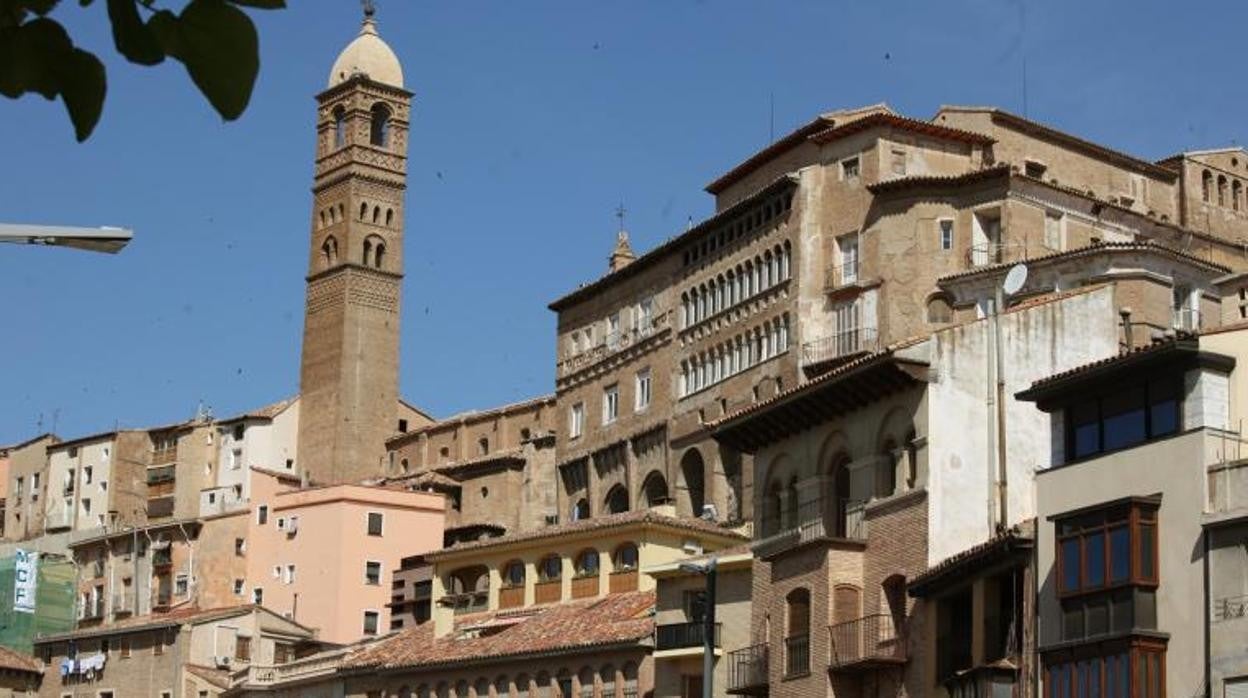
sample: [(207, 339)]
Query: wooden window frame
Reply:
[(1134, 516), (1098, 396), (1142, 673)]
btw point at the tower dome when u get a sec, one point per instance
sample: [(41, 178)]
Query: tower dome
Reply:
[(367, 55)]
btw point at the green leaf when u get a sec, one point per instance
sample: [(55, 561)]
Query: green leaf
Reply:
[(262, 4), (28, 56), (83, 85), (218, 45), (40, 7), (133, 38)]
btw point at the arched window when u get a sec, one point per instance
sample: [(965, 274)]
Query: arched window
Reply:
[(846, 603), (624, 559), (461, 688), (483, 445), (912, 460), (340, 127), (482, 688), (502, 687), (329, 251), (376, 214), (587, 563), (513, 574), (550, 568), (894, 589), (629, 676), (786, 257), (1221, 190), (389, 217), (773, 509), (379, 134), (684, 309), (379, 255), (617, 500), (1236, 191), (403, 465), (1206, 183), (522, 686), (422, 691), (368, 253), (580, 510), (363, 210), (654, 489), (939, 309), (444, 690), (837, 482)]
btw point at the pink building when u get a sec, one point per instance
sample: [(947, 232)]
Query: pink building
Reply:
[(323, 556)]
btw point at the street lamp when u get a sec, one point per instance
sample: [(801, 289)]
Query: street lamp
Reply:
[(102, 239), (710, 570)]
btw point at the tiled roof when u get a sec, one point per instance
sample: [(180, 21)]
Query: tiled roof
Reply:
[(813, 384), (598, 523), (13, 660), (179, 616), (919, 126), (793, 139), (645, 260), (567, 627), (1089, 250), (900, 183), (217, 677), (1037, 128), (468, 416), (1137, 353), (266, 412), (1002, 544), (505, 456)]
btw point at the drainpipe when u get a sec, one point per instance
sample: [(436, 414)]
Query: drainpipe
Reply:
[(1204, 537), (1003, 510), (990, 399), (1125, 313)]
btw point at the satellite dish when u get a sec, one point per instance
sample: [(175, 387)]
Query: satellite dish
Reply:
[(1014, 279)]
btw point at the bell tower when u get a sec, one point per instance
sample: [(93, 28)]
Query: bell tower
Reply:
[(349, 369)]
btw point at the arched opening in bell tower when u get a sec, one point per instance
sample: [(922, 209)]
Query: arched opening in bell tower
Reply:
[(379, 134)]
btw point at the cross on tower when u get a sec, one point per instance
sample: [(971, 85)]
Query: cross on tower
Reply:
[(369, 8), (619, 213)]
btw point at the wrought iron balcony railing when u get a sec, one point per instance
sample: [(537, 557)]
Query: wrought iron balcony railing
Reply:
[(675, 636), (747, 670), (856, 340), (1230, 608), (797, 655), (817, 519), (866, 641)]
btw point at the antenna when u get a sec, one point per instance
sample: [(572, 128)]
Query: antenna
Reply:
[(1015, 279), (771, 125), (369, 8)]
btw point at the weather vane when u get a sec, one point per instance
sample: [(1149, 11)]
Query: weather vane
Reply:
[(369, 8), (619, 213)]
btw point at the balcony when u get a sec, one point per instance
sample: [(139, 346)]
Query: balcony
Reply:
[(747, 671), (614, 342), (683, 636), (59, 520), (1230, 608), (162, 558), (323, 664), (842, 344), (842, 275), (123, 604), (511, 597), (797, 656), (620, 582), (548, 592), (159, 474), (585, 587), (867, 643), (988, 253), (819, 519)]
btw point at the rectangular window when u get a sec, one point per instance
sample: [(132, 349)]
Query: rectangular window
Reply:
[(238, 587), (1054, 230), (375, 522), (240, 546), (946, 233), (613, 331), (1124, 417), (847, 254), (124, 647), (372, 572), (576, 420), (181, 585), (262, 514), (290, 574), (643, 316), (642, 398), (257, 596), (242, 648), (898, 161), (610, 403), (849, 169), (370, 622)]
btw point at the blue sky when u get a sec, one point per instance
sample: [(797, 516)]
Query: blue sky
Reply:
[(532, 122)]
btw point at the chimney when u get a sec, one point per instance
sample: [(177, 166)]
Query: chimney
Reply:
[(1125, 312), (622, 255)]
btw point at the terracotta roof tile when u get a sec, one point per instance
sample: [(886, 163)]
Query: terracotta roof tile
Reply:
[(1098, 248), (13, 660), (902, 122), (1158, 347), (574, 625), (900, 183), (1001, 543), (598, 523), (178, 616)]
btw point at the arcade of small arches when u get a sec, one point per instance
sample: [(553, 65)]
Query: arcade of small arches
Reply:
[(468, 588), (380, 129), (837, 490), (737, 285), (1228, 191), (607, 681)]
